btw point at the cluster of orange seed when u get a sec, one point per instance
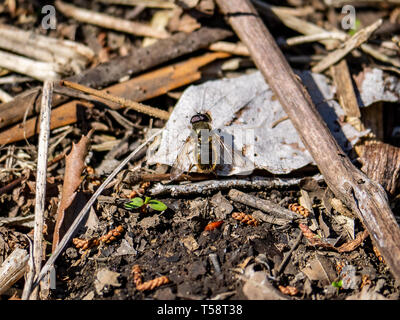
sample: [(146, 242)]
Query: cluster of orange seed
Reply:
[(148, 285), (339, 266), (245, 218), (365, 281), (85, 244), (111, 236), (137, 275), (295, 207), (378, 254), (291, 291)]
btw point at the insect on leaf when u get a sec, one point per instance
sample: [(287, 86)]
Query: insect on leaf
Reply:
[(157, 205), (134, 203)]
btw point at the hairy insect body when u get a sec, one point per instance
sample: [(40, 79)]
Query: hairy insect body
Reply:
[(205, 153)]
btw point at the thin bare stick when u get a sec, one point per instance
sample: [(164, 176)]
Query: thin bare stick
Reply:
[(287, 257), (31, 272), (35, 69), (41, 178), (209, 186), (235, 48), (316, 37), (379, 56), (14, 79), (340, 3), (163, 4), (139, 107), (68, 235), (354, 42), (264, 205), (110, 22), (69, 54)]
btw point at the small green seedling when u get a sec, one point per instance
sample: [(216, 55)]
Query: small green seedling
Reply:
[(338, 284), (138, 203)]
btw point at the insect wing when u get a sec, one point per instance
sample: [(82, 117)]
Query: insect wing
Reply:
[(183, 159), (228, 155)]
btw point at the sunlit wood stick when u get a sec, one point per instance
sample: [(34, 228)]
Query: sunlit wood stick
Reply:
[(139, 107)]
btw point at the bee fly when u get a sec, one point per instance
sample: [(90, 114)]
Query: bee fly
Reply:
[(210, 151)]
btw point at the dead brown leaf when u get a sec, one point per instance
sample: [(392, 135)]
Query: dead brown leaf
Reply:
[(74, 166), (353, 244)]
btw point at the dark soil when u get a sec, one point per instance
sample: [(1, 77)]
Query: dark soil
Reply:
[(174, 244)]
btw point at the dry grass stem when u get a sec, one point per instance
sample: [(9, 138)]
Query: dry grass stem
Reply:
[(110, 22), (139, 107)]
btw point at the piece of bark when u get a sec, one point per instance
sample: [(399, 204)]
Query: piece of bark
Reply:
[(381, 162), (61, 116), (110, 72), (372, 118), (13, 268), (364, 196), (344, 89), (353, 244), (74, 165)]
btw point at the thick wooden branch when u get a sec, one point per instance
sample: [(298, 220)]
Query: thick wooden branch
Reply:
[(364, 196)]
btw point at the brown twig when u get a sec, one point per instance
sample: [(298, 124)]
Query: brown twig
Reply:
[(154, 112)]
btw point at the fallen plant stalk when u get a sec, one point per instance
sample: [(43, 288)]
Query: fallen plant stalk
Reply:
[(41, 179), (209, 186), (153, 112), (264, 205), (36, 69), (110, 22)]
